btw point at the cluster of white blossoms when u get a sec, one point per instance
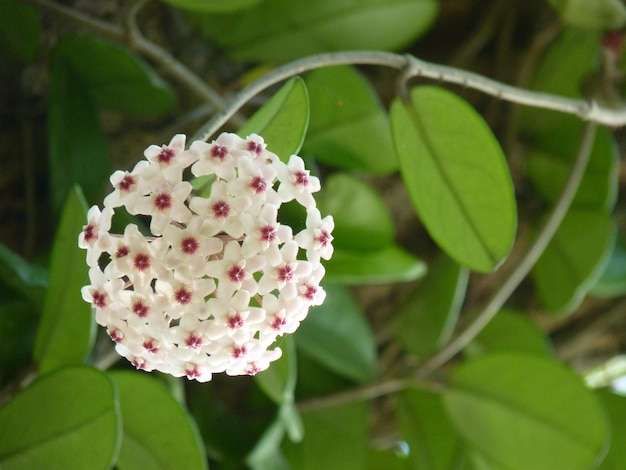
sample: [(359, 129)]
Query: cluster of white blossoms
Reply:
[(219, 278)]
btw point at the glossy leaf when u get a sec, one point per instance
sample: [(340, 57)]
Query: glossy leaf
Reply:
[(425, 322), (386, 265), (78, 149), (595, 14), (550, 164), (336, 438), (510, 331), (66, 331), (615, 406), (68, 419), (25, 279), (338, 335), (115, 77), (433, 442), (525, 411), (612, 281), (212, 6), (280, 30), (362, 219), (349, 127), (158, 432), (283, 120), (20, 31), (574, 259), (456, 175)]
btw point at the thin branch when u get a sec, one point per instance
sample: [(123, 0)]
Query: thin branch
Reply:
[(515, 278)]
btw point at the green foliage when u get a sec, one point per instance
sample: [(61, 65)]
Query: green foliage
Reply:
[(279, 30), (524, 411), (461, 187), (212, 6), (20, 31), (615, 406), (65, 336), (594, 14), (349, 127), (283, 120), (67, 419)]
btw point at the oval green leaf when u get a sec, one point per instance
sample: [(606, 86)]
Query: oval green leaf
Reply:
[(279, 380), (612, 281), (574, 259), (281, 30), (158, 432), (66, 332), (615, 406), (349, 127), (68, 419), (362, 219), (594, 14), (116, 78), (425, 322), (456, 175), (283, 120), (212, 6), (338, 336), (525, 411), (386, 265)]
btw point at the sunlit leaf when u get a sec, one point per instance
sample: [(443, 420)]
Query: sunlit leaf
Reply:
[(66, 331), (526, 411), (432, 440), (362, 219), (456, 175), (425, 322), (20, 30), (594, 14), (115, 77), (574, 259), (338, 335), (550, 163), (68, 419), (349, 127), (386, 265), (283, 120), (212, 5), (510, 331), (78, 150), (336, 438), (615, 406), (158, 432), (280, 30)]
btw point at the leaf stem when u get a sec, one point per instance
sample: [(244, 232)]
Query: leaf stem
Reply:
[(523, 268)]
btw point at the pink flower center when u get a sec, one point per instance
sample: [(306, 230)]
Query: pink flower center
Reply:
[(165, 155), (141, 262), (89, 233), (268, 233), (220, 209), (219, 152), (140, 309), (192, 371), (252, 369), (189, 245), (122, 251), (254, 147), (258, 184), (99, 299), (324, 238), (278, 323), (234, 322), (139, 363), (193, 341), (116, 335), (126, 183), (163, 201), (302, 178), (151, 345), (285, 273), (183, 296), (239, 351), (236, 273), (309, 293)]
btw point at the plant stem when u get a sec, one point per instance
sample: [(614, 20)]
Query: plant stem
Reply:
[(515, 278)]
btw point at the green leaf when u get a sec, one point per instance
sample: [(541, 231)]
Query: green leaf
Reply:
[(456, 175), (158, 432), (278, 382), (574, 259), (593, 14), (283, 120), (338, 335), (362, 219), (336, 438), (525, 411), (266, 454), (281, 30), (425, 322), (78, 150), (550, 163), (433, 442), (510, 331), (612, 281), (211, 6), (349, 127), (18, 324), (115, 77), (20, 31), (615, 407), (66, 331), (387, 265), (26, 279), (68, 419)]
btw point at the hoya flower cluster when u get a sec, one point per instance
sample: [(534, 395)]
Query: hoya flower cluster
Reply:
[(219, 278)]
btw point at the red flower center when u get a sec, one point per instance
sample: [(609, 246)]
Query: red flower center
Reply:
[(126, 183), (163, 201), (236, 273), (220, 209), (165, 155), (141, 262), (219, 152), (189, 245), (258, 184), (183, 296)]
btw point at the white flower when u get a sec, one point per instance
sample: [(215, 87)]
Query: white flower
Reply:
[(316, 238), (296, 182)]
